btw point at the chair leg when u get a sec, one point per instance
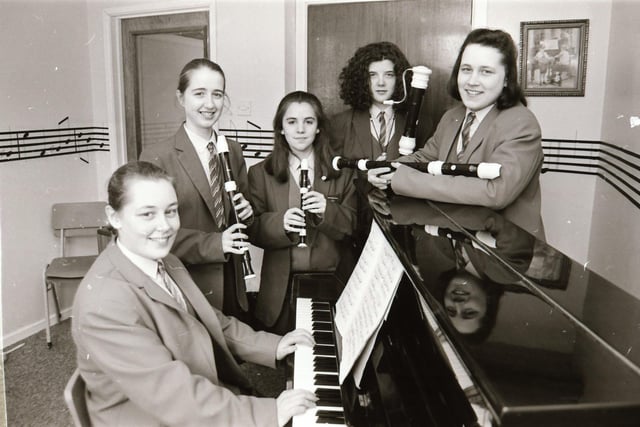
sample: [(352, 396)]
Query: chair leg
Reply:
[(56, 301), (46, 311)]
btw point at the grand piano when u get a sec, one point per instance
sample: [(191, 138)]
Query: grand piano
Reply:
[(489, 326)]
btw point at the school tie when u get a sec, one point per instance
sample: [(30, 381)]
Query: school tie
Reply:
[(216, 189), (462, 259), (382, 139), (465, 132), (170, 286)]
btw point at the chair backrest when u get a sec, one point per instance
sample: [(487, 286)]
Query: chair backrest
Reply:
[(77, 219), (75, 400)]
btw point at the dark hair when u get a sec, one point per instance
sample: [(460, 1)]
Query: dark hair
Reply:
[(277, 162), (191, 66), (354, 77), (493, 292), (502, 41), (120, 179)]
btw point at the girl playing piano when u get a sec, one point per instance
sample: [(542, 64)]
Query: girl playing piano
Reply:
[(150, 348)]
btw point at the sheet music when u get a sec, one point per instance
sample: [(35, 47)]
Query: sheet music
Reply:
[(365, 302)]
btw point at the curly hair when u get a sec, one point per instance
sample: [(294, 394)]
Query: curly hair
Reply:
[(512, 93), (277, 162), (354, 78)]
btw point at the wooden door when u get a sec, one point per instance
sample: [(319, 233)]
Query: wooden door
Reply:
[(429, 32), (150, 74)]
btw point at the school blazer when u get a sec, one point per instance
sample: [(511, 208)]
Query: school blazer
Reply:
[(352, 139), (147, 362), (510, 137), (270, 200), (199, 241)]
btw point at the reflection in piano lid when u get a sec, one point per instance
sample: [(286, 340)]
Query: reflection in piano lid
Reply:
[(560, 346), (559, 351)]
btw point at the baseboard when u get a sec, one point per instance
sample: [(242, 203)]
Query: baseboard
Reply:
[(26, 331)]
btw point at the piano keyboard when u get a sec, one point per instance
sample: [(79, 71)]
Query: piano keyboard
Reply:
[(316, 369)]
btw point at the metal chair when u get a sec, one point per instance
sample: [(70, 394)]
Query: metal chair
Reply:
[(74, 398), (73, 220)]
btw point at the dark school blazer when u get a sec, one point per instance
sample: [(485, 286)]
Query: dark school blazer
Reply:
[(199, 241), (270, 200)]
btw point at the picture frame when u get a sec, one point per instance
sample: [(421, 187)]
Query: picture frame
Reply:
[(553, 57)]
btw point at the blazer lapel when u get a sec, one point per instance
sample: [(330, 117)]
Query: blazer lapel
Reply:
[(451, 131), (190, 162), (363, 136), (321, 186), (226, 365), (393, 149), (136, 277), (480, 133)]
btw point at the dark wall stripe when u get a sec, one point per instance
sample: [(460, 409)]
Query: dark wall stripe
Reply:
[(617, 166)]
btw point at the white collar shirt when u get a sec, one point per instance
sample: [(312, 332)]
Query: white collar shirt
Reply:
[(390, 119), (294, 167), (148, 266), (200, 145)]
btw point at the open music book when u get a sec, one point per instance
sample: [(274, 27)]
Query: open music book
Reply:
[(365, 302)]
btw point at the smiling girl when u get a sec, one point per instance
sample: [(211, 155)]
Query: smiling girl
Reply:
[(299, 133), (150, 348), (206, 243), (492, 124)]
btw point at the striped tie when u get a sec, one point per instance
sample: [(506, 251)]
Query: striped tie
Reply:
[(383, 130), (170, 286), (216, 189), (465, 132)]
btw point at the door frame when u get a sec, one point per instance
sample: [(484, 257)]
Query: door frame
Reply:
[(112, 20), (478, 19)]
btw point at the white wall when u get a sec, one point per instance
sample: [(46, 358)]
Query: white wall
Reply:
[(44, 78), (59, 50), (567, 225), (615, 232)]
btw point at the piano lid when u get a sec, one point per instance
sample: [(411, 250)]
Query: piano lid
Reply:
[(539, 333)]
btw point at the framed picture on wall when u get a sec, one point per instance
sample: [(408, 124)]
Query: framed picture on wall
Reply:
[(553, 57)]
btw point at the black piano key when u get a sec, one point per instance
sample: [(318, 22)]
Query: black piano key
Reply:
[(322, 337), (322, 326), (329, 417), (324, 316), (330, 414), (325, 364), (327, 393), (320, 306), (331, 403), (325, 420), (325, 379), (324, 350)]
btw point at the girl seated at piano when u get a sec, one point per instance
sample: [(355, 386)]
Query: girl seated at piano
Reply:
[(150, 348), (327, 212)]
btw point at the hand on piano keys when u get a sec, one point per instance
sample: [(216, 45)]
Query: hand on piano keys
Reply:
[(291, 341), (294, 402), (316, 368)]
